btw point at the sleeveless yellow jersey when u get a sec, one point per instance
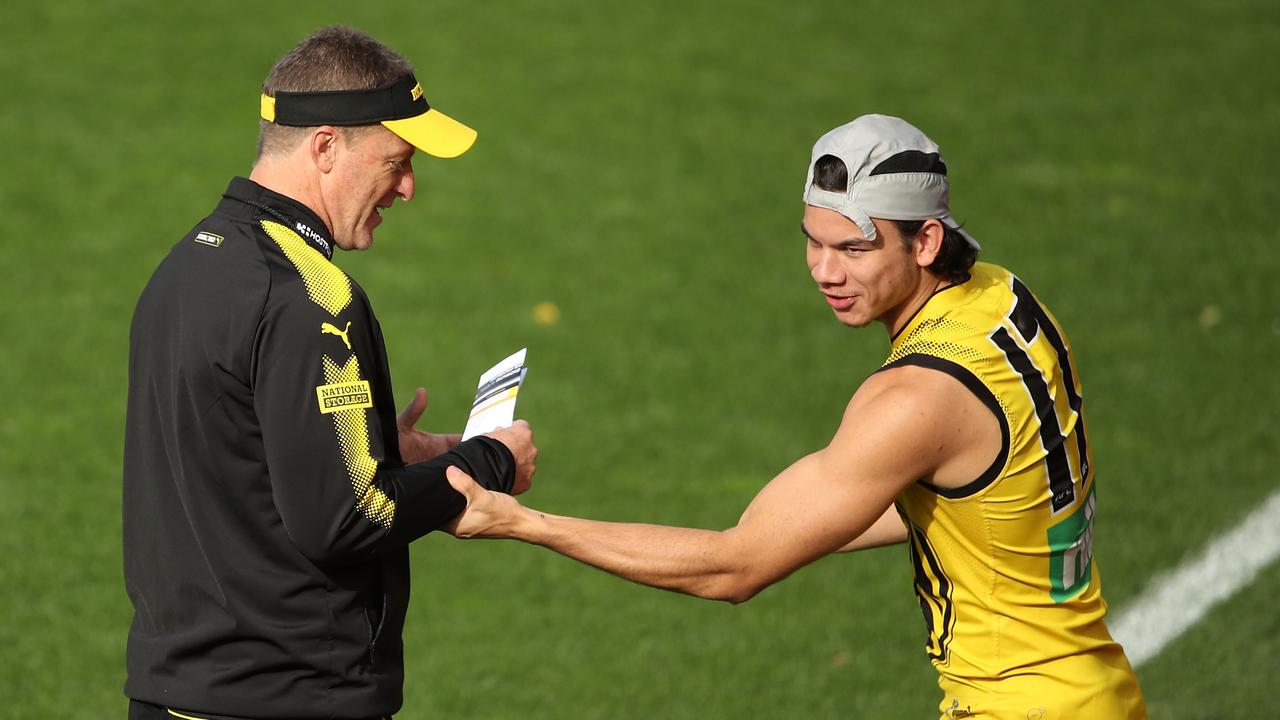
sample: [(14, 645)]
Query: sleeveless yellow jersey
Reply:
[(1003, 566)]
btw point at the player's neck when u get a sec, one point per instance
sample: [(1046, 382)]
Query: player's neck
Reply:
[(928, 286)]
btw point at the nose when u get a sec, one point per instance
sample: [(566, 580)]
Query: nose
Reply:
[(823, 267), (405, 188)]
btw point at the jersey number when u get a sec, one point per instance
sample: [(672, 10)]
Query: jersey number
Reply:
[(1031, 320)]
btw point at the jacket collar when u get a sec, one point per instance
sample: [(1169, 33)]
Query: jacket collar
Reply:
[(293, 214)]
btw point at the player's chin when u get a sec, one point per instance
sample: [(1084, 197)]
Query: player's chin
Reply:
[(363, 236), (852, 319), (362, 239)]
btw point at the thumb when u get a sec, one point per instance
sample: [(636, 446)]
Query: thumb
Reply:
[(461, 482), (409, 416)]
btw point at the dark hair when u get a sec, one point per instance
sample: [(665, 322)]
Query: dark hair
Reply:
[(332, 58), (956, 255)]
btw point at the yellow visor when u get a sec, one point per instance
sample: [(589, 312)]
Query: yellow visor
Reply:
[(399, 106), (434, 133)]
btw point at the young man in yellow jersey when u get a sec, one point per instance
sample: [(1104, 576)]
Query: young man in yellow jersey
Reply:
[(969, 444)]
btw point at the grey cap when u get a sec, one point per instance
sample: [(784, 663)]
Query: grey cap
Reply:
[(895, 173)]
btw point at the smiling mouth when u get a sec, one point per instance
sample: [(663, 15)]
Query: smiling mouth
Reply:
[(838, 302)]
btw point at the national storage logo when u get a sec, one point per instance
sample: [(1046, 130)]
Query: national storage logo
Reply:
[(344, 396)]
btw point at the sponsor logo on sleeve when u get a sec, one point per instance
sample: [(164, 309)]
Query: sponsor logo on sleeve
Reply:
[(207, 238), (344, 396)]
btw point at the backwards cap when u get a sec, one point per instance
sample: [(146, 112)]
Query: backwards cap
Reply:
[(400, 107), (895, 173)]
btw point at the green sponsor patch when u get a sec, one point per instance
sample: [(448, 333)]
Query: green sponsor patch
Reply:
[(1071, 551)]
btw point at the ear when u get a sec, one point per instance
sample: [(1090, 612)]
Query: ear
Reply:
[(323, 146), (929, 242)]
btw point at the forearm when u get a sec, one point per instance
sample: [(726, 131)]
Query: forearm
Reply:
[(691, 561), (805, 513), (334, 522)]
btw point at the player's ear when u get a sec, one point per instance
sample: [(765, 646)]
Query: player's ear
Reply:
[(929, 242), (323, 144)]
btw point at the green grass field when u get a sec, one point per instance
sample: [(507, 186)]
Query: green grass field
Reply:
[(640, 165)]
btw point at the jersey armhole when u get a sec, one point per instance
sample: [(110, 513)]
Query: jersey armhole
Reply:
[(983, 393)]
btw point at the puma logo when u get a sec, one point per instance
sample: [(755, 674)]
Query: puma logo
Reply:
[(327, 329), (955, 711)]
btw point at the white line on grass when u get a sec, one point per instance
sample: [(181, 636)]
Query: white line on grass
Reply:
[(1175, 601)]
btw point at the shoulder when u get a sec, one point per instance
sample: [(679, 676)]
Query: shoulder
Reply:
[(891, 426), (216, 263), (901, 424), (299, 270), (914, 389)]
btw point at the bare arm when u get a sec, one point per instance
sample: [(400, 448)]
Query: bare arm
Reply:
[(888, 530), (791, 523), (821, 503)]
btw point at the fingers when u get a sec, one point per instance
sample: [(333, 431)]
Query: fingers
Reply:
[(462, 482), (517, 432), (518, 438), (413, 411), (466, 487)]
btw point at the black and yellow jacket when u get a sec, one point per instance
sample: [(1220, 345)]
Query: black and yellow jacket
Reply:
[(267, 511)]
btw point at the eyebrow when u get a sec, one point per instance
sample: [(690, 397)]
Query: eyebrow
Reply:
[(858, 242)]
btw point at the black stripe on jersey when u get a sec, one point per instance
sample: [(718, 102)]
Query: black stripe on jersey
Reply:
[(975, 386), (1061, 488), (1024, 315), (933, 590), (1028, 301)]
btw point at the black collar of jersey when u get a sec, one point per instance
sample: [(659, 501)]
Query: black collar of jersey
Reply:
[(295, 216)]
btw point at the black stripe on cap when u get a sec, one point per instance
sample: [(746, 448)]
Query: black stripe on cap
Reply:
[(911, 161), (351, 107)]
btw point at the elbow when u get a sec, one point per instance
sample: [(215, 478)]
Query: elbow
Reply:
[(735, 589), (315, 548), (735, 576), (321, 547), (738, 598)]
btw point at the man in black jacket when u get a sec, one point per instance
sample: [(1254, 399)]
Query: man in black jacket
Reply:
[(270, 491)]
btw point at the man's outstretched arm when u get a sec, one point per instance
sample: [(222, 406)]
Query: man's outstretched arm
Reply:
[(816, 506), (888, 530)]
